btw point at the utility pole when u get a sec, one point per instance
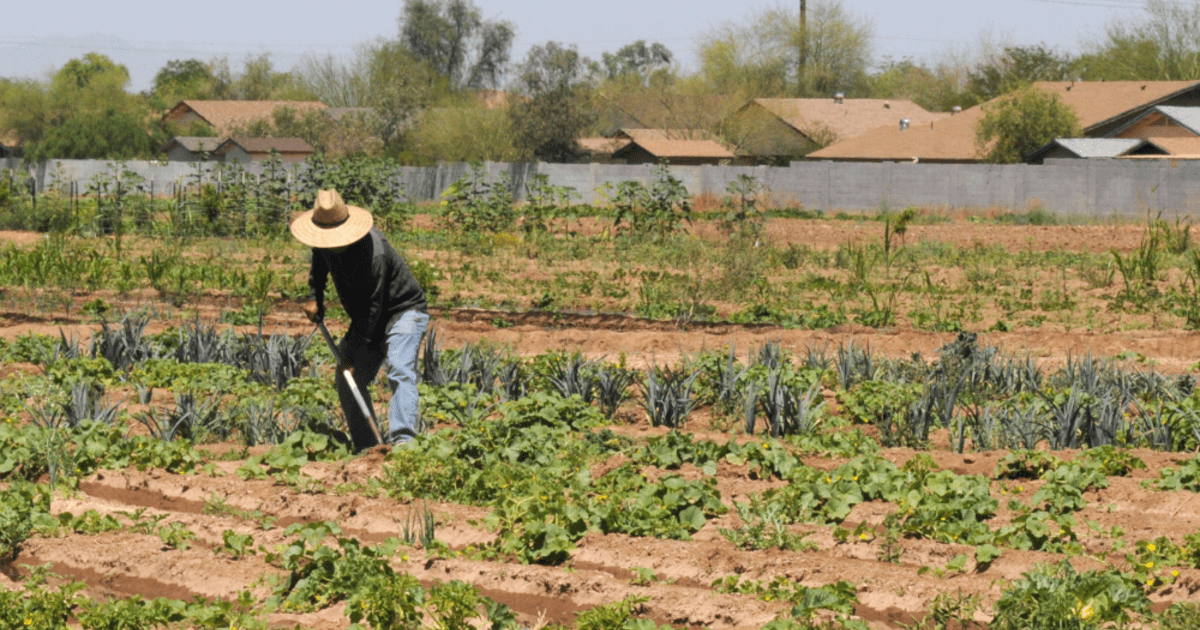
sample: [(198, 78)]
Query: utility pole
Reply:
[(803, 47)]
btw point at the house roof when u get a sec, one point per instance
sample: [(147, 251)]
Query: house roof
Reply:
[(1177, 147), (265, 145), (1093, 147), (1186, 116), (1098, 104), (674, 143), (602, 146), (225, 115), (192, 143), (846, 117)]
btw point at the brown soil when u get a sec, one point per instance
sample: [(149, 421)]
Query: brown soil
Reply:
[(600, 570)]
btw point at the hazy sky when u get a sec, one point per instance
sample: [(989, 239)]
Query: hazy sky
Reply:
[(40, 35)]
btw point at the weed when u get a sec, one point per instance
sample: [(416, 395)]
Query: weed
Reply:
[(418, 528), (947, 609), (764, 526)]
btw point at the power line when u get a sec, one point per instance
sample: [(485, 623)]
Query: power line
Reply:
[(1099, 4), (162, 47)]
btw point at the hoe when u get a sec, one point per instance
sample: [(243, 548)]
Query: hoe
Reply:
[(358, 397)]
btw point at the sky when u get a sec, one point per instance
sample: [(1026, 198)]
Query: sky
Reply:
[(40, 36)]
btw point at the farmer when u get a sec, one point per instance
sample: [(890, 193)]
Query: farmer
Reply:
[(388, 314)]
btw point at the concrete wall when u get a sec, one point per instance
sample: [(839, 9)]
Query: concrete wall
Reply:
[(1090, 187)]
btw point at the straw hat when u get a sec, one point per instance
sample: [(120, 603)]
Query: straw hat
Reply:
[(331, 223)]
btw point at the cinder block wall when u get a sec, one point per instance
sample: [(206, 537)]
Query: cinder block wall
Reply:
[(1088, 187)]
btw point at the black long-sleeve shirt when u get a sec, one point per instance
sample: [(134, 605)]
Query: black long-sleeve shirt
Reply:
[(373, 283)]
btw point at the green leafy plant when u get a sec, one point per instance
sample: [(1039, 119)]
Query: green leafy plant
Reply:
[(654, 211), (22, 505), (473, 204), (764, 526), (1057, 596), (176, 535), (235, 544), (741, 212)]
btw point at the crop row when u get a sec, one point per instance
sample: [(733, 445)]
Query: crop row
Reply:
[(541, 501), (478, 249), (985, 399)]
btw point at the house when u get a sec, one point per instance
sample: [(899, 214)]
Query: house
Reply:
[(673, 146), (1163, 121), (1103, 107), (258, 149), (601, 149), (1173, 147), (1164, 131), (190, 148), (1094, 148), (226, 117), (780, 129)]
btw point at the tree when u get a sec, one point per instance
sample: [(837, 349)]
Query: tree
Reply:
[(1022, 122), (937, 89), (728, 67), (107, 134), (24, 109), (762, 56), (467, 132), (257, 81), (182, 79), (85, 112), (1017, 67), (639, 64), (553, 112), (454, 39), (1163, 47), (335, 82), (400, 88)]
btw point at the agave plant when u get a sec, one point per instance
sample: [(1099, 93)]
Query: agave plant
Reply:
[(126, 344), (612, 387), (667, 396), (573, 376)]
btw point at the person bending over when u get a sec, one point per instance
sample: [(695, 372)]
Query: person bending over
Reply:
[(387, 309)]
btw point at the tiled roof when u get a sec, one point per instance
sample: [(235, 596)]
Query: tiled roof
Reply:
[(849, 117), (676, 143), (602, 146), (265, 145), (952, 139), (225, 115)]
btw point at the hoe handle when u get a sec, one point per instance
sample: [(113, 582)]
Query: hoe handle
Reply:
[(349, 378)]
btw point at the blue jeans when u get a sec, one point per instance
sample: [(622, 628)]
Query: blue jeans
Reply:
[(403, 343)]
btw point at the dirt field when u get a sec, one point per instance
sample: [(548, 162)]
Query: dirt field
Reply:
[(602, 568)]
